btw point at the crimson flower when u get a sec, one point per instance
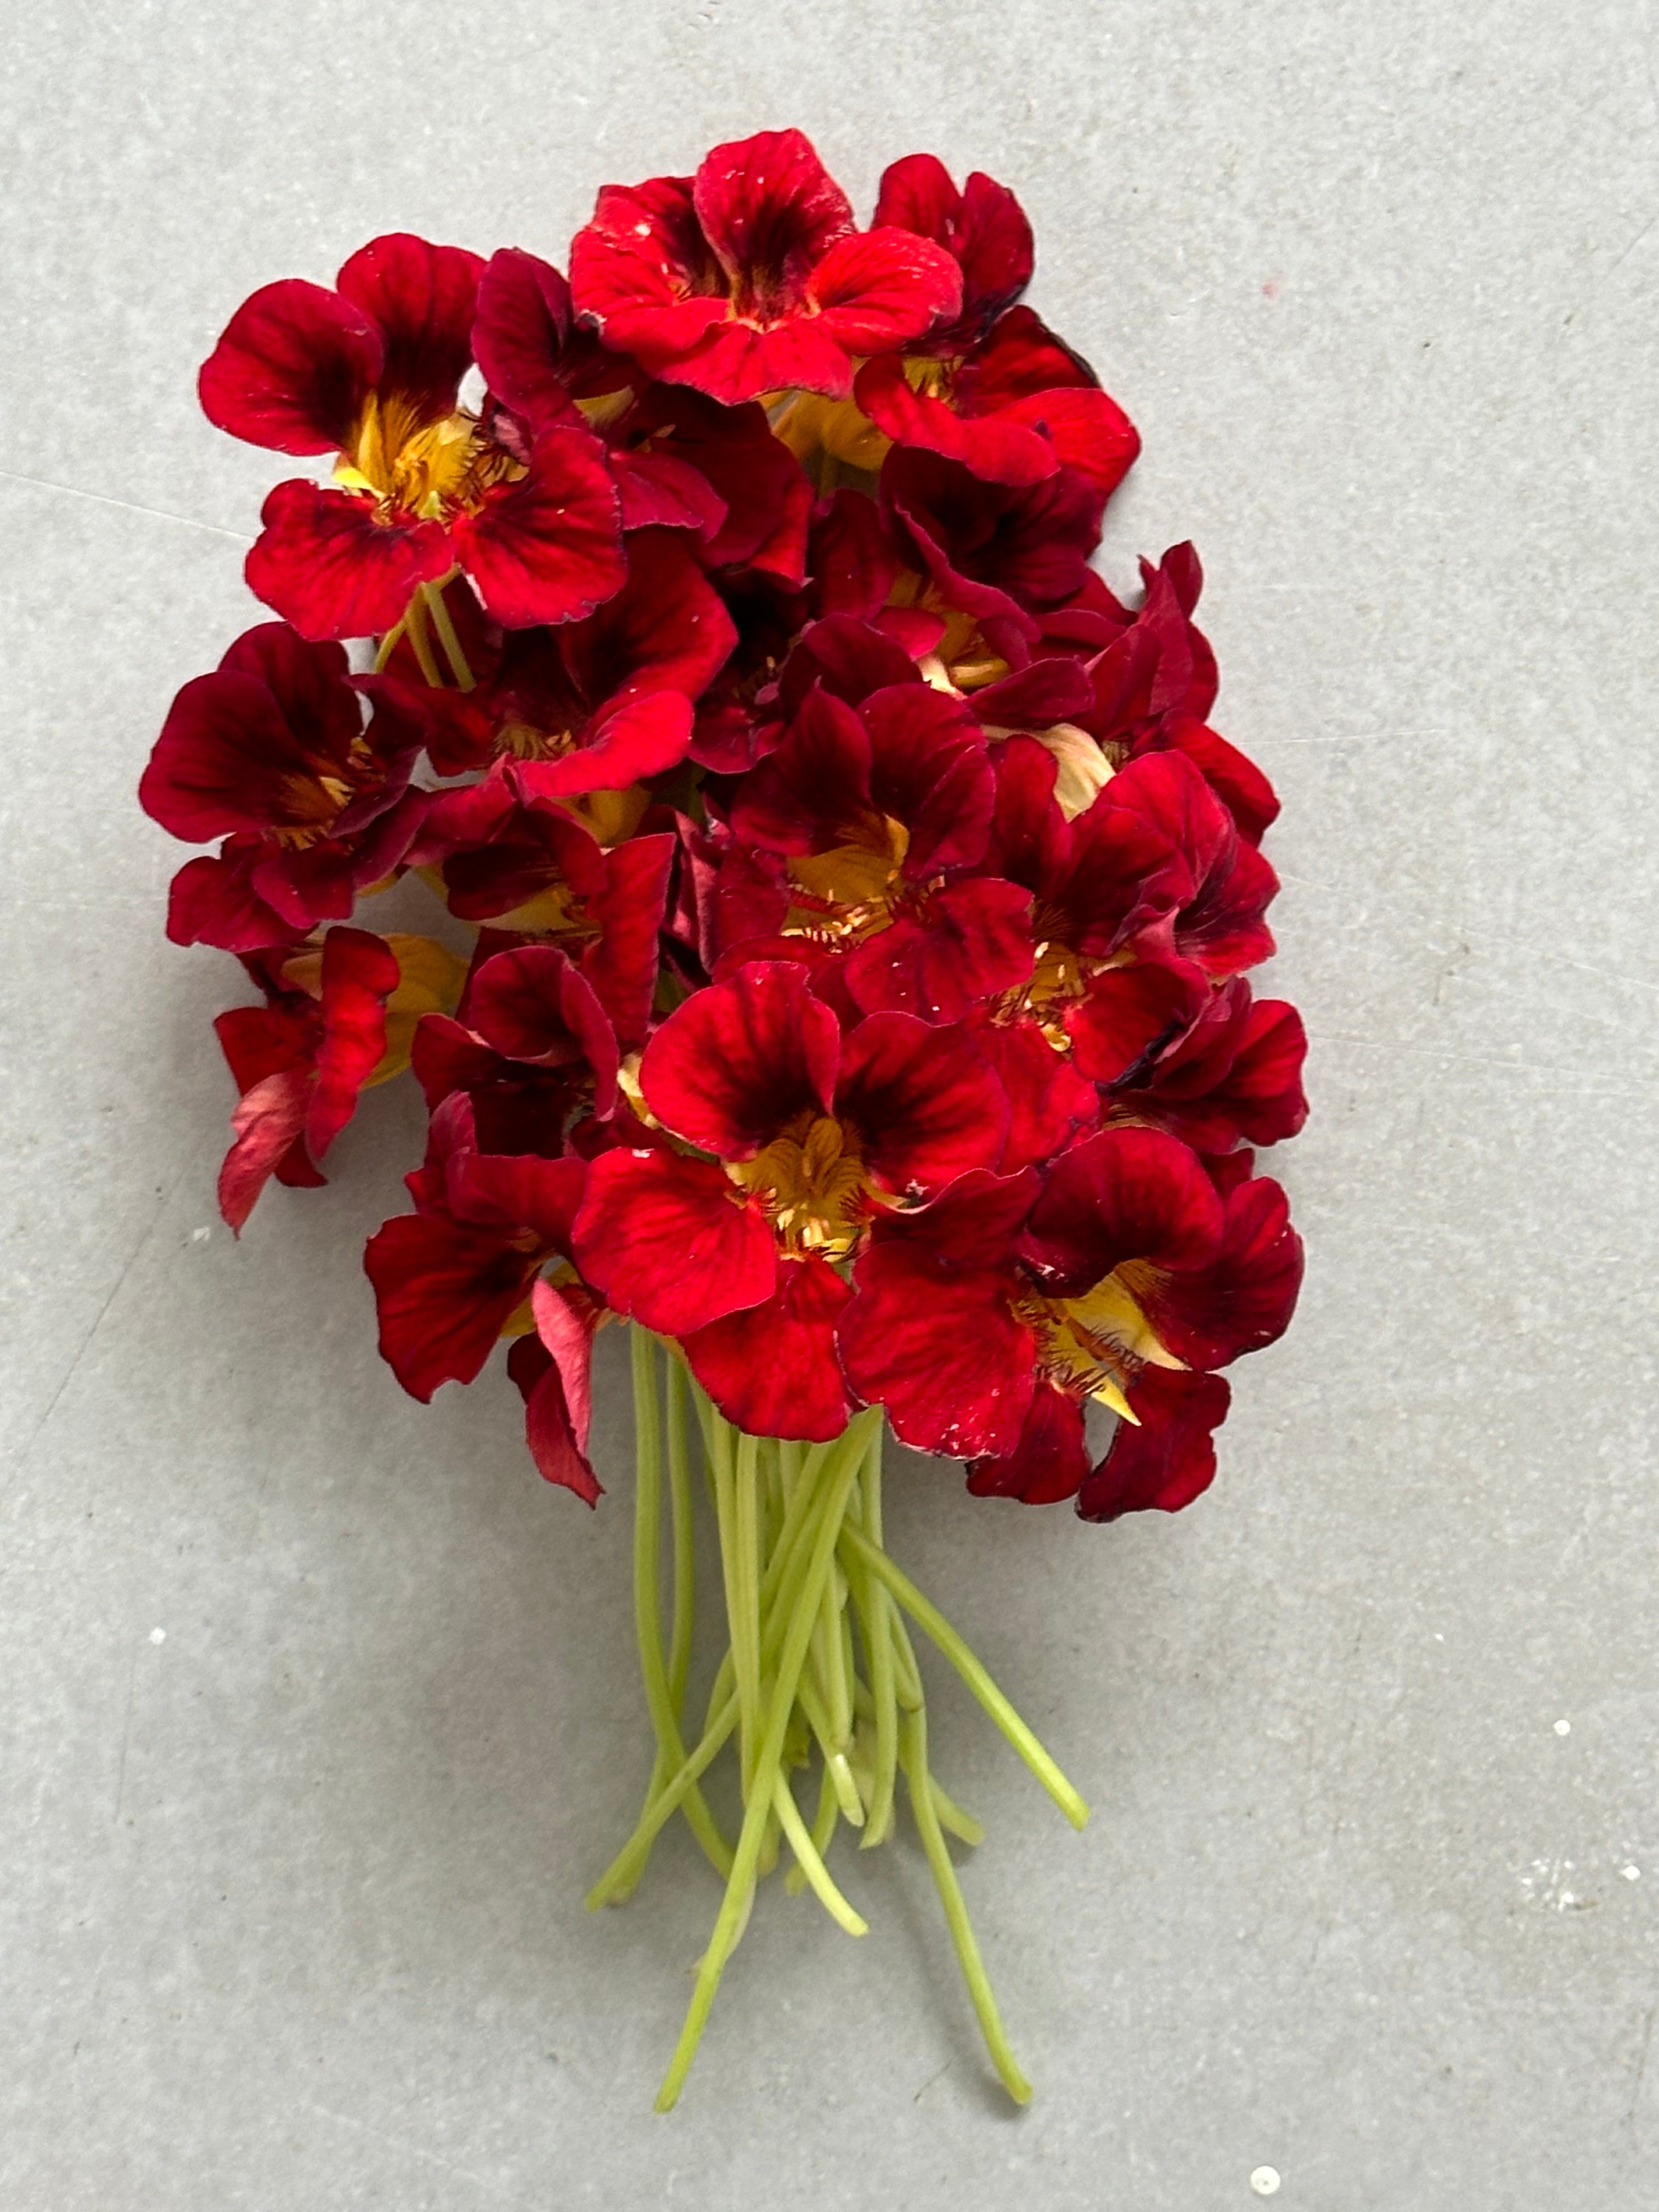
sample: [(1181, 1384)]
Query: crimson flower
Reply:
[(751, 276), (270, 751), (371, 372), (805, 1134)]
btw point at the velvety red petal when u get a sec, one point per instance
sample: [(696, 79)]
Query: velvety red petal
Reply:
[(666, 629), (995, 448), (983, 226), (881, 286), (815, 785), (770, 211), (639, 739), (1050, 1461), (1130, 1013), (516, 1193), (533, 1005), (670, 1241), (622, 966), (423, 298), (644, 274), (1237, 782), (330, 568), (1169, 1460), (445, 1292), (360, 973), (941, 1348), (1049, 1103), (226, 760), (521, 335), (970, 941), (772, 1369), (1124, 1194), (292, 369), (214, 901), (548, 547), (924, 1102), (1244, 1297), (738, 1060)]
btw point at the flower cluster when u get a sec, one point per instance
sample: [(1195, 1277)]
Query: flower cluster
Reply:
[(843, 907), (859, 899)]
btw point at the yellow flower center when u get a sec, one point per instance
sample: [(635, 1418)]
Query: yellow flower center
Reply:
[(409, 464), (813, 1185)]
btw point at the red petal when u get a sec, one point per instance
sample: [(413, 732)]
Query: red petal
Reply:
[(740, 1059), (772, 1369), (770, 211), (669, 1241), (941, 1348), (267, 1119), (516, 1193), (644, 274), (983, 226), (360, 973), (925, 1104), (521, 335), (1050, 1462), (1130, 1013), (882, 286), (639, 739), (1244, 1297), (1124, 1194), (547, 547), (970, 941), (666, 629), (328, 566), (423, 298), (292, 369), (214, 901), (532, 1005), (1048, 1101), (622, 966), (1169, 1460), (445, 1292)]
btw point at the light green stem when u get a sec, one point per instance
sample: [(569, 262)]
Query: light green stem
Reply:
[(620, 1877), (441, 622), (679, 1505), (420, 642), (809, 1862), (836, 1484), (956, 1909), (933, 1623)]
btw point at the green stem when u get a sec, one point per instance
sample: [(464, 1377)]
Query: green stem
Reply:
[(809, 1862), (388, 646), (420, 643), (823, 1827), (933, 1623), (956, 1909), (879, 1639), (745, 1619), (433, 596), (647, 1519), (622, 1876), (679, 1505), (840, 1470)]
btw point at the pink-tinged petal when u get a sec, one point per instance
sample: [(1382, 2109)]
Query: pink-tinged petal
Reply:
[(622, 966), (983, 227), (1170, 1459), (941, 1347), (532, 1005), (268, 1117), (1244, 1297), (1050, 1461), (359, 975), (881, 286), (549, 1429), (1126, 1195), (565, 1321), (445, 1292), (772, 1369), (639, 739), (521, 335), (1130, 1014), (669, 1241), (770, 211), (292, 369), (546, 547), (739, 1059), (423, 298), (214, 901), (326, 564), (971, 941), (924, 1102)]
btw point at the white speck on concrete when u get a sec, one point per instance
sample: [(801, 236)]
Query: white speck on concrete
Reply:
[(200, 1236), (1631, 1873), (158, 1636), (1564, 1728), (1265, 2180)]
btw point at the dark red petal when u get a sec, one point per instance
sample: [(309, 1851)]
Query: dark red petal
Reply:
[(770, 211), (993, 447), (1263, 1087), (360, 973), (815, 786), (622, 966), (1050, 1462), (330, 568), (1244, 1297), (1087, 431), (516, 1193), (520, 336), (983, 226), (226, 760), (972, 1223), (640, 738), (267, 1119), (669, 1241), (970, 941), (1131, 1013), (666, 629), (445, 1292), (423, 297), (740, 1059), (214, 901), (1169, 1460), (881, 286), (643, 273), (925, 1105), (310, 681), (772, 1369), (548, 547), (1124, 1194), (532, 1005), (292, 369), (1049, 1102), (1238, 783), (941, 1348)]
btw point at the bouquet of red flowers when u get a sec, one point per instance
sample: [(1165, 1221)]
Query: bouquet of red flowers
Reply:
[(848, 908)]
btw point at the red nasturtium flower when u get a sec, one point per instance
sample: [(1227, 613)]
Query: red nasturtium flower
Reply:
[(371, 372), (751, 278)]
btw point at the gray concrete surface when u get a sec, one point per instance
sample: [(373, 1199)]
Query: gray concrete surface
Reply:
[(318, 1710)]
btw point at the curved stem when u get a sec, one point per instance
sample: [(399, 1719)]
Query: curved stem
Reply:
[(956, 1909), (620, 1877), (420, 643), (933, 1622), (811, 1863), (443, 623)]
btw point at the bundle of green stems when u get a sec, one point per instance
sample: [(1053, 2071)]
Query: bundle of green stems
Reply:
[(819, 1664)]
